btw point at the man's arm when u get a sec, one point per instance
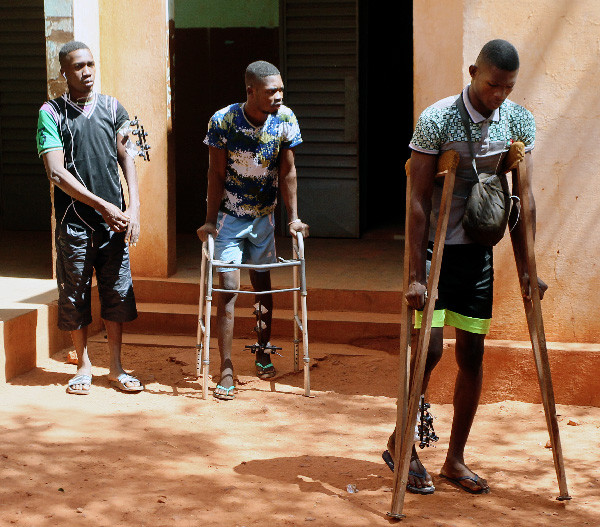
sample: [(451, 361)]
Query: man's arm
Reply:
[(217, 165), (289, 191), (422, 175), (127, 165), (518, 234), (61, 177)]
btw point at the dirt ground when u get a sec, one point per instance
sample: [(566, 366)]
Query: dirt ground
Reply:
[(166, 457)]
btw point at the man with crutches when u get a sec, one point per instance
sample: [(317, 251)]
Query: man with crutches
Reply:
[(466, 276), (251, 155)]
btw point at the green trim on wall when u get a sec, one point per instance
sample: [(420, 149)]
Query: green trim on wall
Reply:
[(58, 8), (226, 13)]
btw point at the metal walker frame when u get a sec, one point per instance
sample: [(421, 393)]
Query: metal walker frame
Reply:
[(298, 265)]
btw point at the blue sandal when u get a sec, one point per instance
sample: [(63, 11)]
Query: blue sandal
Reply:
[(389, 461), (265, 371), (227, 396)]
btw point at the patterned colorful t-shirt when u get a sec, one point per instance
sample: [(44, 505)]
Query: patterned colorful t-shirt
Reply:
[(440, 128), (253, 152)]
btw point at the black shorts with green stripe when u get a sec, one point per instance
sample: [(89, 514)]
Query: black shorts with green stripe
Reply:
[(465, 290)]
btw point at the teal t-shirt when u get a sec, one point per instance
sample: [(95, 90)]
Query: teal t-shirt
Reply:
[(47, 137)]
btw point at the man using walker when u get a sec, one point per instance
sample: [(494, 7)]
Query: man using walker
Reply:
[(251, 155)]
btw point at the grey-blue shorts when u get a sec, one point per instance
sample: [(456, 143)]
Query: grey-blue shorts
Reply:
[(78, 252), (242, 240)]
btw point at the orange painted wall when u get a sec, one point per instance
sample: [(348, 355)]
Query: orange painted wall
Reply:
[(135, 69), (559, 46)]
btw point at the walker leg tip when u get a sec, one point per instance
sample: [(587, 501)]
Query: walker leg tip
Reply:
[(395, 516), (564, 498)]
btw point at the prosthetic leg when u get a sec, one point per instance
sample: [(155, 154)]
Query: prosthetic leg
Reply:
[(410, 386)]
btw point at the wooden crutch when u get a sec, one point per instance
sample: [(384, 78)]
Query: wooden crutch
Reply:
[(516, 163), (409, 391)]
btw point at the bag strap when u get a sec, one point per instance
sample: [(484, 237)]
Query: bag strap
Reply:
[(460, 104)]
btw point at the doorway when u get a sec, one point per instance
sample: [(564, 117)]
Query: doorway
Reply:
[(24, 187), (386, 113)]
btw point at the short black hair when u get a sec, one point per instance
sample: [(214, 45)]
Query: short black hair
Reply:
[(500, 53), (74, 45), (258, 70)]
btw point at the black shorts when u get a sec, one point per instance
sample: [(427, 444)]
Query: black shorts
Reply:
[(78, 252), (465, 290)]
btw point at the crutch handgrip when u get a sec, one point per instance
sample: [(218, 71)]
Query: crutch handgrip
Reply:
[(448, 161), (515, 155), (300, 242)]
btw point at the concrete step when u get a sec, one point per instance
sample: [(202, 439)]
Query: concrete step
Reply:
[(369, 318), (28, 331), (324, 326), (370, 321), (185, 292)]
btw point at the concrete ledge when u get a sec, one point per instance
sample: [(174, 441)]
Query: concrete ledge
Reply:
[(509, 373), (28, 330)]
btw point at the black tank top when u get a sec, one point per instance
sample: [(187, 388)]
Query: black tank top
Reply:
[(90, 148)]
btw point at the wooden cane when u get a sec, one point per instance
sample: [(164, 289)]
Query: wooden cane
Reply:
[(447, 165), (535, 324)]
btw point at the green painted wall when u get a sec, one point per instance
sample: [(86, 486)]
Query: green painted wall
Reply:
[(226, 13)]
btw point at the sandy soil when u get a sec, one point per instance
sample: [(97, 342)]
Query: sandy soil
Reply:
[(165, 457)]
